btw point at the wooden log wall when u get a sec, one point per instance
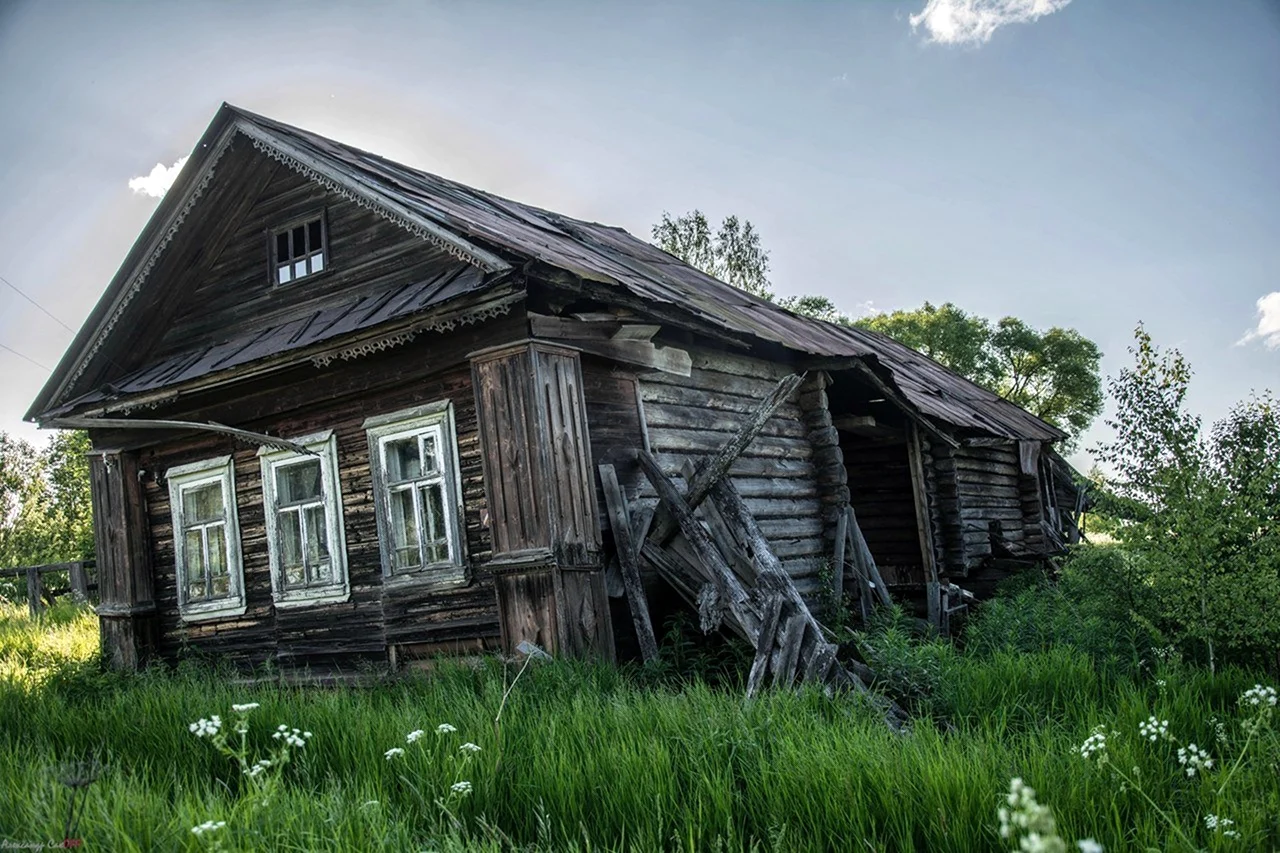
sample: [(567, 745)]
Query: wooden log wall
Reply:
[(949, 529), (689, 417), (338, 636), (989, 487), (828, 459), (881, 494)]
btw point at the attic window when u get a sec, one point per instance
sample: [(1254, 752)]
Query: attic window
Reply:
[(298, 251)]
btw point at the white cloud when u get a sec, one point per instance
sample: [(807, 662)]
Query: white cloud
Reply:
[(973, 21), (1268, 328), (158, 182)]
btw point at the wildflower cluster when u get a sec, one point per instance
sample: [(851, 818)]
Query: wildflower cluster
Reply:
[(460, 787), (1259, 696), (292, 737), (206, 728), (1213, 823), (1095, 745), (1194, 759), (1154, 729), (1023, 818), (208, 826)]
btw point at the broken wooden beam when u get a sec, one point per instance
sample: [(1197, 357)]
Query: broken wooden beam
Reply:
[(717, 466), (629, 561)]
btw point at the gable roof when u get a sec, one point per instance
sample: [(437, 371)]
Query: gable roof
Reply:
[(485, 230)]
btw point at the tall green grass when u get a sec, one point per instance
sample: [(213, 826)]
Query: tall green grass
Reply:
[(593, 758)]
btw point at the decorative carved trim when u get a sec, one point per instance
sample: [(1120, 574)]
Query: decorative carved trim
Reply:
[(141, 275), (440, 324), (361, 200)]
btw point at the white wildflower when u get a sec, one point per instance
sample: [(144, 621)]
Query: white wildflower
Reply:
[(1088, 845), (1154, 729), (1230, 833), (393, 752), (445, 728), (413, 736), (245, 708), (1259, 696), (461, 788), (206, 728), (1161, 683), (208, 826), (1026, 817), (1194, 759), (469, 747), (1095, 745)]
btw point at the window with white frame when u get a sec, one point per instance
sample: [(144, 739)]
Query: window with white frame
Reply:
[(299, 251), (206, 539), (303, 508), (414, 458)]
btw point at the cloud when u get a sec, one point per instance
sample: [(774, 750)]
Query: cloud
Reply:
[(972, 22), (1268, 328), (158, 182)]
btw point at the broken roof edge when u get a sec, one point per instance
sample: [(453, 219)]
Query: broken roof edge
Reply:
[(171, 212)]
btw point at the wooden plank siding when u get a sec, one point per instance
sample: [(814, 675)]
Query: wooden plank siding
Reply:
[(686, 417), (989, 486), (341, 635)]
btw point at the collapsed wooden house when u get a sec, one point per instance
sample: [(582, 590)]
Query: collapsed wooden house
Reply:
[(347, 412)]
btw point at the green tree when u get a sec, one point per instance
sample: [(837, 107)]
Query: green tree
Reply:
[(45, 508), (732, 254), (1205, 534), (1053, 374)]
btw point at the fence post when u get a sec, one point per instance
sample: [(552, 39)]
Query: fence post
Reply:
[(79, 583), (34, 591)]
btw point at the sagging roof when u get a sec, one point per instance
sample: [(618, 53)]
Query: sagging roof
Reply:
[(469, 222)]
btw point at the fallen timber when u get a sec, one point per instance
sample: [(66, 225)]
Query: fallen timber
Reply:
[(727, 570)]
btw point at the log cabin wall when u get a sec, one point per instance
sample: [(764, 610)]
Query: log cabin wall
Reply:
[(418, 620), (689, 417), (989, 487)]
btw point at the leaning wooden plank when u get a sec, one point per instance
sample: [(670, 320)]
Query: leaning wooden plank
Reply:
[(764, 644), (866, 562), (735, 595), (837, 568), (717, 465), (819, 664), (792, 635), (628, 558)]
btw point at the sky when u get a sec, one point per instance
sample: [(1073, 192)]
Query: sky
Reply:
[(1074, 163)]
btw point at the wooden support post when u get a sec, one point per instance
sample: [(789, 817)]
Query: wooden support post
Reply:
[(35, 590), (628, 559), (924, 529), (121, 537), (716, 466), (837, 575)]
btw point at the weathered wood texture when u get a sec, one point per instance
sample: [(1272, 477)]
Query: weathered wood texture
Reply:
[(693, 417), (122, 543), (880, 488), (989, 488), (340, 397)]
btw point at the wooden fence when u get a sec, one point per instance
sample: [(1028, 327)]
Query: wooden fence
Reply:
[(38, 596)]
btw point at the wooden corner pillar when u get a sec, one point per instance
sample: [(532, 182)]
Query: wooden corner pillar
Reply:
[(542, 499), (127, 612)]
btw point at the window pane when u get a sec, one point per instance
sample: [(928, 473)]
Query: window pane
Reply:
[(430, 456), (217, 537), (221, 586), (317, 544), (433, 519), (317, 262), (404, 530), (283, 274), (298, 482), (300, 268), (201, 504), (282, 247), (289, 523), (193, 562), (402, 460), (313, 236), (299, 242)]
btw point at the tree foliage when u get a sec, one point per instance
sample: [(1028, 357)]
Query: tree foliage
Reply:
[(1200, 513), (732, 254), (1053, 374), (45, 509)]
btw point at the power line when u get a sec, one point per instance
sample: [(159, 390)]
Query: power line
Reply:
[(38, 305), (26, 357)]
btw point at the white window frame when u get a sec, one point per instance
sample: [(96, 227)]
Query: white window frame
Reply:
[(193, 475), (437, 418), (323, 445)]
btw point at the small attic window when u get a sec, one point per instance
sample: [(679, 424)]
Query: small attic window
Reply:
[(299, 251)]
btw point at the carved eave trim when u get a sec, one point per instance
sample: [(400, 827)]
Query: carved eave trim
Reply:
[(351, 188), (139, 276)]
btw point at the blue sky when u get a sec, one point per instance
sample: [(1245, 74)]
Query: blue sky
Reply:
[(1103, 164)]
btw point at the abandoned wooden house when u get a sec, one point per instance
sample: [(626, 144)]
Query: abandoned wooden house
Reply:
[(347, 412)]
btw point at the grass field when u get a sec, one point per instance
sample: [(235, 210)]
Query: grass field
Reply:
[(593, 758)]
